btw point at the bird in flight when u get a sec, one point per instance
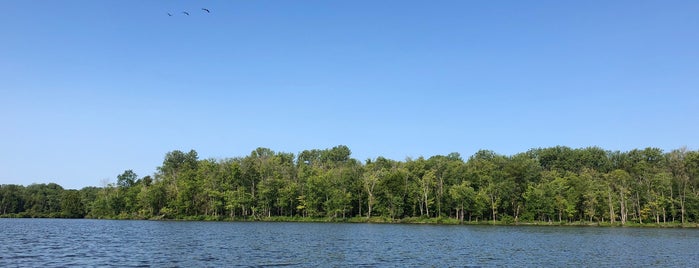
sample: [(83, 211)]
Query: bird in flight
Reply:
[(185, 12), (170, 15), (207, 10)]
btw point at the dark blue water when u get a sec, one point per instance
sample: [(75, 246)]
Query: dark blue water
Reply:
[(56, 242)]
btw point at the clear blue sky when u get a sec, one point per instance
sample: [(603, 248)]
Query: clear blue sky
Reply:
[(89, 88)]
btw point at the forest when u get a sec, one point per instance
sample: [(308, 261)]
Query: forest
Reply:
[(559, 185)]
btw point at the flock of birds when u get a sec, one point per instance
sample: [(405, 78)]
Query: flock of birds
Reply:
[(187, 13)]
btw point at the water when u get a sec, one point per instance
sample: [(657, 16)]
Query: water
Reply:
[(100, 243)]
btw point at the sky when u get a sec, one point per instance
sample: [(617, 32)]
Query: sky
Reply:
[(89, 89)]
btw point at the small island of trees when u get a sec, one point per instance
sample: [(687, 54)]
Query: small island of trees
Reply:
[(557, 185)]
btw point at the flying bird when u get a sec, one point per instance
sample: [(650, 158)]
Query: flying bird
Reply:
[(185, 12), (207, 11), (169, 14)]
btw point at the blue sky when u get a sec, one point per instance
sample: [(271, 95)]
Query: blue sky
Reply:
[(89, 89)]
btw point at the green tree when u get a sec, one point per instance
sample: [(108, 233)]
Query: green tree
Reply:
[(393, 191), (540, 198), (619, 181), (465, 196), (594, 194), (238, 200), (520, 170), (43, 200), (370, 180), (127, 179), (11, 199), (72, 204)]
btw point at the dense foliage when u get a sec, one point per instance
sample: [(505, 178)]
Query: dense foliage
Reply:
[(557, 184)]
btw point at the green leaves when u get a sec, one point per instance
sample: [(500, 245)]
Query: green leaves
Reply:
[(557, 184)]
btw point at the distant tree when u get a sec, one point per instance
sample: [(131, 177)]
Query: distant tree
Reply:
[(544, 184), (465, 196), (11, 199), (72, 204), (43, 200), (127, 179), (370, 180)]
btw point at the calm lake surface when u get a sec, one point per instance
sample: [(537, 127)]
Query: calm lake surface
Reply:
[(62, 242)]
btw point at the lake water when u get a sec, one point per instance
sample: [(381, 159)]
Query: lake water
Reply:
[(62, 242)]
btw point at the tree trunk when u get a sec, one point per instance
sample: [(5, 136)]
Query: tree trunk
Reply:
[(421, 211), (611, 208), (638, 206), (427, 206), (672, 204), (664, 215), (682, 197), (360, 205), (492, 206), (622, 204), (370, 205), (560, 218)]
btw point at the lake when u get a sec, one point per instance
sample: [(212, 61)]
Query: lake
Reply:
[(65, 242)]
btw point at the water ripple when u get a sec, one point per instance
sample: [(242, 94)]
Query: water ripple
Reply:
[(102, 243)]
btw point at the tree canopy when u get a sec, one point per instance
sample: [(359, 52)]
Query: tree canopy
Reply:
[(557, 184)]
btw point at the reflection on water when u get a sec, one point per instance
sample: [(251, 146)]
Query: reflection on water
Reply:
[(60, 242)]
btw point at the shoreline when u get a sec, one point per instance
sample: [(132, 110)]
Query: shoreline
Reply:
[(380, 220)]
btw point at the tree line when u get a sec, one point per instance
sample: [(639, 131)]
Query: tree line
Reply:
[(556, 184)]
